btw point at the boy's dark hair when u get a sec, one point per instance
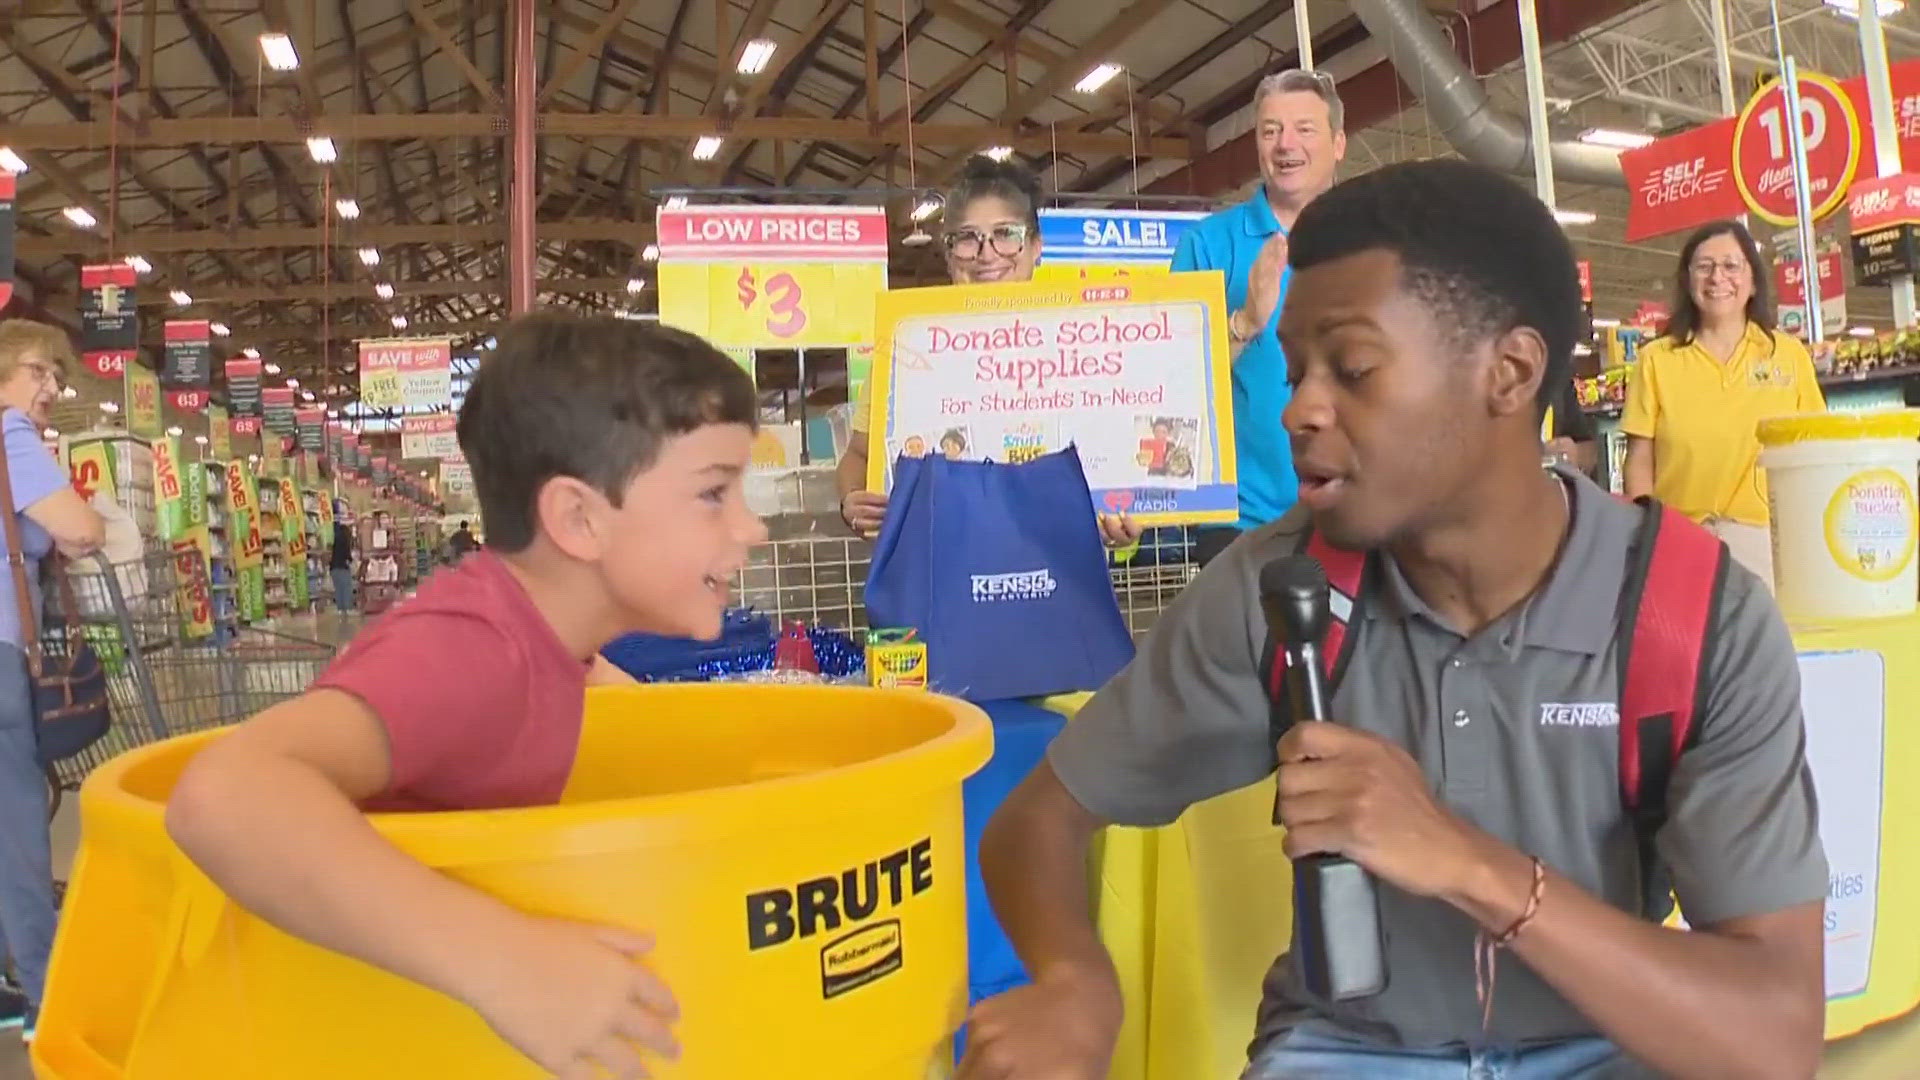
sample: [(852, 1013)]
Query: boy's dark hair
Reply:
[(589, 397), (1477, 248), (1684, 323)]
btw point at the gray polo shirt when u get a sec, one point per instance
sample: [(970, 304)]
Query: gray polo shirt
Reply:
[(1504, 726)]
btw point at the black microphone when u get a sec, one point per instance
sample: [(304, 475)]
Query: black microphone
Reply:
[(1337, 941)]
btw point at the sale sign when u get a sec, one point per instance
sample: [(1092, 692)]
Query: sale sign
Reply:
[(142, 388), (219, 434), (109, 320), (1790, 292), (1135, 374), (1100, 245), (169, 490), (429, 436), (90, 468), (406, 373), (773, 276), (243, 513)]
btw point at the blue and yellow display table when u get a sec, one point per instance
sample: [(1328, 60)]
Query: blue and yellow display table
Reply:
[(1195, 912)]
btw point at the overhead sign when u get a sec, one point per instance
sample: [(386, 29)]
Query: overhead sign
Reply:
[(1135, 375), (6, 237), (1686, 180), (1098, 245), (434, 435), (243, 395), (109, 319), (406, 373), (189, 353), (773, 276), (1763, 151), (142, 388), (1883, 223)]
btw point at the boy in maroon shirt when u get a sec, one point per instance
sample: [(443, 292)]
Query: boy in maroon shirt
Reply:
[(608, 457)]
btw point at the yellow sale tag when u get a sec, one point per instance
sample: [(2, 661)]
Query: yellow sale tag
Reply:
[(90, 464), (779, 305)]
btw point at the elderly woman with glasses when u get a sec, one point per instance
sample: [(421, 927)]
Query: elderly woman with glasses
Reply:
[(1702, 388), (992, 235), (49, 515)]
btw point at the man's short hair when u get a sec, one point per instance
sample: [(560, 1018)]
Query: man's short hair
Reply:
[(21, 338), (589, 397), (1305, 81), (1481, 251)]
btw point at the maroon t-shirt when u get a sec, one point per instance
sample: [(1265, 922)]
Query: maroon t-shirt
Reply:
[(480, 700)]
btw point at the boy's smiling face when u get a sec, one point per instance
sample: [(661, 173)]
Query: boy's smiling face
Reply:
[(681, 532)]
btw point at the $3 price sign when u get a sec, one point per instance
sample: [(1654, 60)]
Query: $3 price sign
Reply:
[(782, 301)]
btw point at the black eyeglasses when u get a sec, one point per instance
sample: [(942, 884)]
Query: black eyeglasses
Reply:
[(1007, 240)]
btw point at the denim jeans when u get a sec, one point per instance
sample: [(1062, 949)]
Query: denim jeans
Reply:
[(26, 849), (1318, 1052), (342, 589)]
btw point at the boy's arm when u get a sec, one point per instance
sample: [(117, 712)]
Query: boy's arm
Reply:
[(563, 994)]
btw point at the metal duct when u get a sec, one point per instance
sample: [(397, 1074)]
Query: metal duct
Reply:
[(1460, 108)]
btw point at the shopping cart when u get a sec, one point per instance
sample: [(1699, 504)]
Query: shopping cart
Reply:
[(164, 675)]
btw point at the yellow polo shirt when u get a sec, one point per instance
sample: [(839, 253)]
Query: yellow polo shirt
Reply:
[(1701, 415)]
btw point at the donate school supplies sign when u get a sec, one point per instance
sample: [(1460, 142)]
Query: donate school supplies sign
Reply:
[(1133, 373)]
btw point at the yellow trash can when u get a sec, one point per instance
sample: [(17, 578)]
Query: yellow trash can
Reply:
[(796, 851)]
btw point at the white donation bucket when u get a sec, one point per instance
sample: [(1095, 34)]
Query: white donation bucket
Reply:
[(1845, 523)]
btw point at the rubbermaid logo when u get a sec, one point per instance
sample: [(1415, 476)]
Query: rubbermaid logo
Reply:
[(1027, 585), (1598, 714)]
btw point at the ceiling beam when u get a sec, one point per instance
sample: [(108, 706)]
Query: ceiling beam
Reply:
[(169, 241), (194, 130), (355, 291)]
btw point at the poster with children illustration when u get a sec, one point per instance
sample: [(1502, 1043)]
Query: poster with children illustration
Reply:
[(1133, 374)]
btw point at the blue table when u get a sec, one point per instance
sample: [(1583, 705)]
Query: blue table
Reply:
[(1021, 732)]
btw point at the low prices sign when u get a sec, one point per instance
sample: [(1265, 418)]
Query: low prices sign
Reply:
[(1883, 220), (406, 373), (1135, 374), (429, 436), (773, 276)]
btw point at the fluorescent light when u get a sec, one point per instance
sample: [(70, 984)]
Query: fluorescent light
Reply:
[(1575, 217), (80, 216), (293, 384), (180, 298), (1097, 78), (348, 209), (1860, 331), (200, 440), (176, 431), (676, 202), (321, 149), (399, 322), (279, 51), (109, 406), (1851, 8), (306, 395), (250, 353), (70, 393), (271, 369), (49, 434), (219, 329), (383, 290), (1615, 139), (999, 153), (1605, 324), (706, 146), (926, 209), (370, 256), (139, 264), (11, 162), (635, 285), (650, 253), (753, 59)]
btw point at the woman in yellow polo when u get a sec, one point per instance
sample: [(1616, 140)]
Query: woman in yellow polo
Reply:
[(1703, 387)]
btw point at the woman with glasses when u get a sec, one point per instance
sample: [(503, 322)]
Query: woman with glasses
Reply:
[(48, 515), (1702, 388), (992, 235)]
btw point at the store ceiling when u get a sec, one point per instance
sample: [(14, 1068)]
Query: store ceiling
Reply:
[(190, 151)]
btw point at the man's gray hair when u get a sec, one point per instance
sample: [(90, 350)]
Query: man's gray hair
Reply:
[(1298, 80)]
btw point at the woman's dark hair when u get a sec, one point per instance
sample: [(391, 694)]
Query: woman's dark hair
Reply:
[(1009, 181), (1684, 323)]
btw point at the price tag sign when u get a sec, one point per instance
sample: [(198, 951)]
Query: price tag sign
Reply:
[(1763, 151), (773, 276)]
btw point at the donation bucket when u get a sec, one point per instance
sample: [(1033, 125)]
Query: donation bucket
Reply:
[(795, 851), (1841, 494)]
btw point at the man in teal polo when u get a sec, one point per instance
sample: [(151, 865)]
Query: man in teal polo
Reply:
[(1298, 128)]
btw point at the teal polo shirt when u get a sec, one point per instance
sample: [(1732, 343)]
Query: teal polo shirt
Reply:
[(1230, 241)]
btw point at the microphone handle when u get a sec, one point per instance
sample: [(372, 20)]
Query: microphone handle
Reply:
[(1337, 939)]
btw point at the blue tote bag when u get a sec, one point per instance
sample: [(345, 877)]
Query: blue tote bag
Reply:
[(1001, 569)]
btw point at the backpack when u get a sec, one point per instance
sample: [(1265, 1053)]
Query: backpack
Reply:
[(1668, 602)]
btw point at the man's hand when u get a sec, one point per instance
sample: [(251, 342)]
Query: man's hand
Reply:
[(576, 1000), (863, 511), (1120, 530), (1347, 792), (1263, 287), (1061, 1027), (1562, 448)]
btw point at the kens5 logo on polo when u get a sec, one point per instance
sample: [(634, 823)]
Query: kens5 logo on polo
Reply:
[(1594, 714), (1026, 585)]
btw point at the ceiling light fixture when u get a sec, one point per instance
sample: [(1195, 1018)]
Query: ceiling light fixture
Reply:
[(1097, 78), (250, 353), (1575, 217), (279, 51), (180, 297), (999, 153), (926, 209), (753, 59), (219, 329), (81, 217), (650, 253), (635, 285), (706, 147), (348, 209), (399, 322), (676, 202), (322, 150), (271, 369), (383, 290), (370, 256), (139, 264), (11, 161), (1615, 139), (176, 431), (1851, 8)]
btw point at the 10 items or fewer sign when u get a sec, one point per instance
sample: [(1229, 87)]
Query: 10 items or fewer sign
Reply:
[(773, 276), (1135, 374)]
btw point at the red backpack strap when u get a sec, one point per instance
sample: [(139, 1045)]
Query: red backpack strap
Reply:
[(1668, 606), (1346, 580)]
